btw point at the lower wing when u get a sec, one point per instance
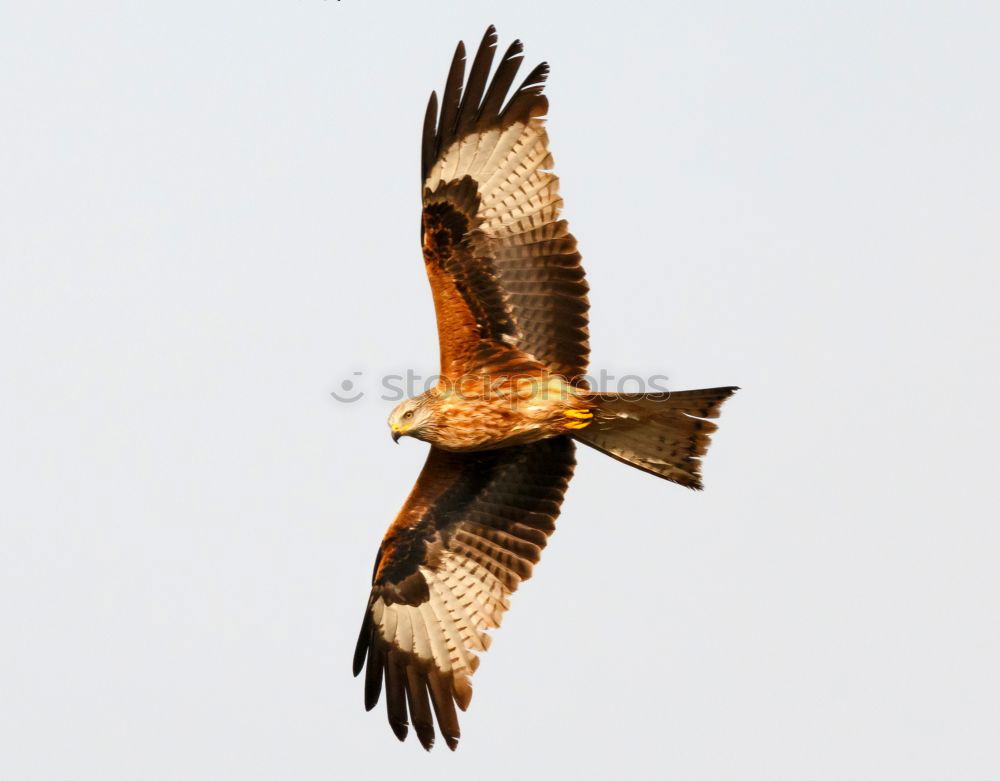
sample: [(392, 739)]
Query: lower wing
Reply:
[(469, 533)]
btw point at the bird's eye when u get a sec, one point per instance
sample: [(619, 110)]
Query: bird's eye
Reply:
[(408, 414)]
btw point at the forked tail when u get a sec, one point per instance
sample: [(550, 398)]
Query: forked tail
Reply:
[(664, 434)]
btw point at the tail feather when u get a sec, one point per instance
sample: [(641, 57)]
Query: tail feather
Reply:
[(665, 434)]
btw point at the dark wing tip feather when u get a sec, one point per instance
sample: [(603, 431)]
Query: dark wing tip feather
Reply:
[(364, 639), (428, 137), (479, 102), (395, 696), (420, 707), (442, 698), (528, 100), (451, 99), (472, 97), (373, 675), (538, 76), (510, 63)]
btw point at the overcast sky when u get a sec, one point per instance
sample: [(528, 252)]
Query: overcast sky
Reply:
[(208, 221)]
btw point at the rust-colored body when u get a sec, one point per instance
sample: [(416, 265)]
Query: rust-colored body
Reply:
[(497, 408)]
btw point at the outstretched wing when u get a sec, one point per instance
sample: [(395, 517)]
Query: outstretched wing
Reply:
[(468, 534), (504, 269)]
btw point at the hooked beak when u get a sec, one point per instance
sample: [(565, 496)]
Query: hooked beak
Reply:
[(396, 434)]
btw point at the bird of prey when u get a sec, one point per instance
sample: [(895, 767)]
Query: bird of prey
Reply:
[(511, 304)]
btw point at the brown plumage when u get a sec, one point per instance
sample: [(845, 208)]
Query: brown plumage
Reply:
[(511, 304)]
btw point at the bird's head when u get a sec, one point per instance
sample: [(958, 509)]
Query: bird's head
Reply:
[(411, 418)]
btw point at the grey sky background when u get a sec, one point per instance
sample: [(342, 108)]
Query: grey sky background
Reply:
[(209, 220)]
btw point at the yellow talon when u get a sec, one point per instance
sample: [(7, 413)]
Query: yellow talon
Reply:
[(582, 414), (578, 424)]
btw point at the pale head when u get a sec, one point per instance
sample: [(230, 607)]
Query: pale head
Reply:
[(411, 418)]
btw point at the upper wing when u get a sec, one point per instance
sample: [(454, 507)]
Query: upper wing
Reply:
[(503, 267), (469, 533)]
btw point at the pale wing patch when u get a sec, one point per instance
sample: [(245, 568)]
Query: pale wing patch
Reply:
[(493, 147), (513, 171), (468, 594)]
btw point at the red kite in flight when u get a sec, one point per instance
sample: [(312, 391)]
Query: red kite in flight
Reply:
[(511, 304)]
